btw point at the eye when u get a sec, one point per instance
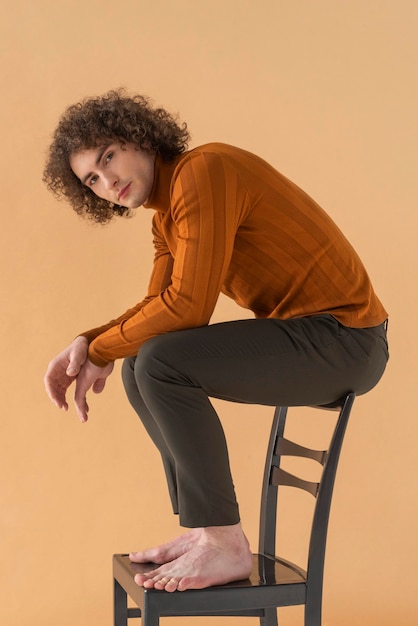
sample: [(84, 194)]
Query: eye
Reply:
[(108, 157), (92, 180)]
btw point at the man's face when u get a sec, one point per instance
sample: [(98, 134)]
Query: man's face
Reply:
[(120, 173)]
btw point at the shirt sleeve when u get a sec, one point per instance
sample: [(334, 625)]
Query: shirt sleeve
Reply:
[(207, 202), (159, 280)]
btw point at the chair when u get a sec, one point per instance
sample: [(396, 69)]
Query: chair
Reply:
[(274, 582)]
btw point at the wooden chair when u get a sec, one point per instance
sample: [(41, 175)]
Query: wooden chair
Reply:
[(274, 582)]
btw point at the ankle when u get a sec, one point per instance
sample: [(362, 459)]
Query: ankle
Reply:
[(232, 535)]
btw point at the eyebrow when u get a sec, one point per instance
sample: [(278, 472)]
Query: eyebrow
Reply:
[(102, 150)]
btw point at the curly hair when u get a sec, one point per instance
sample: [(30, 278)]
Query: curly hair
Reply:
[(113, 116)]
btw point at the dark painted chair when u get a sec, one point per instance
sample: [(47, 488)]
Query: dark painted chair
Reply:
[(274, 582)]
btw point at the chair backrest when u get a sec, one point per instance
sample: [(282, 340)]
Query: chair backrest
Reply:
[(275, 476)]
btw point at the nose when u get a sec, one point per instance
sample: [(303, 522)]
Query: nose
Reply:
[(110, 180)]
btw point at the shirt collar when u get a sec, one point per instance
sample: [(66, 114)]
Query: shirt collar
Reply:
[(159, 198)]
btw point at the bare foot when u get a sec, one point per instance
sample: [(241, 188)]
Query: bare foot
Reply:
[(221, 555), (168, 551)]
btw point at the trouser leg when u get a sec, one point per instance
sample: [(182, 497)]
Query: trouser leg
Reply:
[(272, 362), (152, 428)]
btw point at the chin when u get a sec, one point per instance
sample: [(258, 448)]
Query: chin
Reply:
[(133, 204)]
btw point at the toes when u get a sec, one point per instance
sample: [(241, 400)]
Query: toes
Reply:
[(152, 580), (144, 557), (140, 557), (140, 579), (172, 585), (189, 583), (146, 580), (166, 584), (159, 582), (182, 585)]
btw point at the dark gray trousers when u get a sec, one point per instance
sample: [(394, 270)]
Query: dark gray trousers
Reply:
[(303, 361)]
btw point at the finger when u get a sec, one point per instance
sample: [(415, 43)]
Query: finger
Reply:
[(80, 402), (74, 366), (99, 385), (55, 394), (82, 410), (76, 359), (59, 401)]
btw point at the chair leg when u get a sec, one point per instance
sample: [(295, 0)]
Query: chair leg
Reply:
[(269, 618), (150, 613), (120, 605), (313, 613)]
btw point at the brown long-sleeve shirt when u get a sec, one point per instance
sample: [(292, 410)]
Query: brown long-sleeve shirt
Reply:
[(226, 221)]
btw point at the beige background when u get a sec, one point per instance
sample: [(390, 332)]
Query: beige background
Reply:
[(327, 91)]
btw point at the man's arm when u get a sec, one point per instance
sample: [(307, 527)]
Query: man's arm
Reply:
[(73, 362), (208, 200), (160, 279)]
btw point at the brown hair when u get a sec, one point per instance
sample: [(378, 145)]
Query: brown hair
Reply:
[(113, 116)]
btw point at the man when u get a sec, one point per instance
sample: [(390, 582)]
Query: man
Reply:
[(225, 221)]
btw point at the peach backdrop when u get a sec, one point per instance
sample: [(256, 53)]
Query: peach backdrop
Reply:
[(326, 90)]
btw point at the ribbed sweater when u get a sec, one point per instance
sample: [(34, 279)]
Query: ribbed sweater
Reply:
[(226, 221)]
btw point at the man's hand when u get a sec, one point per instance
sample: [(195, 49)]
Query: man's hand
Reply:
[(90, 376), (63, 370), (72, 364)]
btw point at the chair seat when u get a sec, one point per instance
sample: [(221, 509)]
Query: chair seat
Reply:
[(244, 597)]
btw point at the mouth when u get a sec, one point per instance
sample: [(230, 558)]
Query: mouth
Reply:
[(124, 191)]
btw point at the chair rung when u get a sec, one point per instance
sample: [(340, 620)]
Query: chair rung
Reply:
[(280, 477), (284, 447)]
